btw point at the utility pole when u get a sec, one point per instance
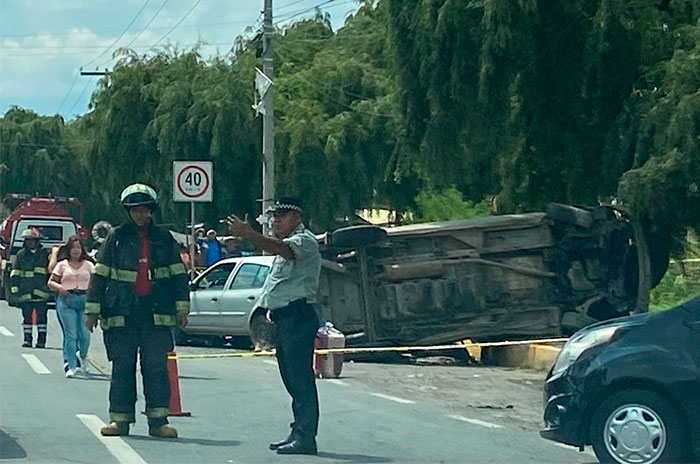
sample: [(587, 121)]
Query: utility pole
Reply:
[(268, 148)]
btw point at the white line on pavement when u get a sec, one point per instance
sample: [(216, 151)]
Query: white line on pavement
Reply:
[(269, 361), (118, 447), (476, 422), (5, 332), (337, 382), (35, 364), (393, 398)]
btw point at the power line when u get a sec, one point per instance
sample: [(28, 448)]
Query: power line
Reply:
[(119, 36), (294, 14), (143, 29), (34, 34), (68, 93), (178, 23), (70, 111), (327, 94), (289, 4)]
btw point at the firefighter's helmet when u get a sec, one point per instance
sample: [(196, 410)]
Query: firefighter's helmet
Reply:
[(139, 195), (29, 234)]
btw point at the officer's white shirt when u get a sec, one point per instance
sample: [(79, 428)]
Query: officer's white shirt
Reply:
[(293, 279)]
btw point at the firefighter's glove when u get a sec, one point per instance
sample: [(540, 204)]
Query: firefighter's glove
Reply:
[(91, 322), (182, 320)]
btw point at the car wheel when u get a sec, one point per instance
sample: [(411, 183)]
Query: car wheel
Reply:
[(637, 427), (260, 332), (179, 336), (358, 235)]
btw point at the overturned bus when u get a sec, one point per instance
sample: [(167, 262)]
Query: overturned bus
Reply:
[(489, 278)]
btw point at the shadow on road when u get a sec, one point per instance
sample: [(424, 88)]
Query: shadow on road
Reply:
[(194, 377), (9, 448), (353, 457), (186, 441)]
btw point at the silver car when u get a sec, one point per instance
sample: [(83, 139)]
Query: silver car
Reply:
[(222, 300)]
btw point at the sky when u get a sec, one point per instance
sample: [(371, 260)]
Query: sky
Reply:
[(44, 43)]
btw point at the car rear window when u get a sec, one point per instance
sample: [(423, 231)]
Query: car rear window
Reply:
[(250, 276), (47, 232)]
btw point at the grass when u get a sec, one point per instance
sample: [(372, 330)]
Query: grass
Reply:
[(675, 288)]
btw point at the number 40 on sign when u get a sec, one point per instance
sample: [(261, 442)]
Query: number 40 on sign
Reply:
[(193, 181)]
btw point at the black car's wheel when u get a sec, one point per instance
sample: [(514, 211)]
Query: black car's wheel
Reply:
[(358, 235), (637, 427), (260, 332)]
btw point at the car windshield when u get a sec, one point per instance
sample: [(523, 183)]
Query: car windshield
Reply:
[(216, 277)]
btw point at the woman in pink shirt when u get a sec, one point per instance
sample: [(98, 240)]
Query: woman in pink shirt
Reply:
[(70, 278)]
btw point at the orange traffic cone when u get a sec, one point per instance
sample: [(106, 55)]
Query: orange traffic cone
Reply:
[(175, 409), (173, 378), (34, 316)]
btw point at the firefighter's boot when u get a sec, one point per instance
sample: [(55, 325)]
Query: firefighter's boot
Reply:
[(41, 339), (27, 339), (162, 431), (115, 429)]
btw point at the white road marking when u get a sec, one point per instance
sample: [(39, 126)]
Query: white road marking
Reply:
[(118, 447), (35, 364), (337, 382), (476, 422), (393, 398), (5, 332), (268, 361), (587, 451)]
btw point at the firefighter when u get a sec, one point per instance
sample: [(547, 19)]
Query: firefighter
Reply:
[(139, 292), (28, 286)]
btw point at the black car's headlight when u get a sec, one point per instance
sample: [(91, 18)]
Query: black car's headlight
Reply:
[(580, 343)]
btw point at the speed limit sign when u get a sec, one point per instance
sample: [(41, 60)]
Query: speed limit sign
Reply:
[(193, 181)]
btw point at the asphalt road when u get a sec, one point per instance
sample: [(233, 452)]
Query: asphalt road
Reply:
[(374, 414)]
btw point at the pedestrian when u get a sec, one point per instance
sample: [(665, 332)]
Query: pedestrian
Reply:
[(139, 292), (28, 287), (288, 297), (213, 250), (70, 277), (231, 248)]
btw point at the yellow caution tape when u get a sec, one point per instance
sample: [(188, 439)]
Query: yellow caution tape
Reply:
[(383, 349)]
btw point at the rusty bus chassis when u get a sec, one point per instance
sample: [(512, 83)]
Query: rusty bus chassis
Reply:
[(491, 278)]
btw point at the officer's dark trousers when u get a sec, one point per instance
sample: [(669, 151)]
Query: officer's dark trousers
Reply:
[(41, 310), (123, 344), (295, 329)]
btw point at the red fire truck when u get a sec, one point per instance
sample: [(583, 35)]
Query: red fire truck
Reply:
[(50, 216)]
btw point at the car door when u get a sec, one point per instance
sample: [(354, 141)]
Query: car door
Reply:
[(693, 399), (205, 294), (240, 295)]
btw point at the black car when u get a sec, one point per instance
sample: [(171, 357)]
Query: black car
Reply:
[(630, 387)]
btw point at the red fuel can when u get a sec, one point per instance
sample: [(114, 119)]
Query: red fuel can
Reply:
[(328, 365)]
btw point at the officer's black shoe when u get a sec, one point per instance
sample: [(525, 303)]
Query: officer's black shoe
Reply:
[(27, 344), (41, 345), (299, 447), (276, 445)]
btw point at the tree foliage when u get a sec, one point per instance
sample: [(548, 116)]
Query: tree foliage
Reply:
[(408, 103)]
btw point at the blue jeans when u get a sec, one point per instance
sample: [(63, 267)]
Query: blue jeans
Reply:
[(76, 337)]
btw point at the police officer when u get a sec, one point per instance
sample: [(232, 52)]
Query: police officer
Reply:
[(288, 297), (28, 287), (139, 292)]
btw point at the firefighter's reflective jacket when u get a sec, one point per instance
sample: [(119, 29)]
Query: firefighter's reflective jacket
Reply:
[(111, 292), (29, 276)]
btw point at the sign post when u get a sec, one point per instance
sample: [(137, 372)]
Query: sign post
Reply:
[(193, 181)]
